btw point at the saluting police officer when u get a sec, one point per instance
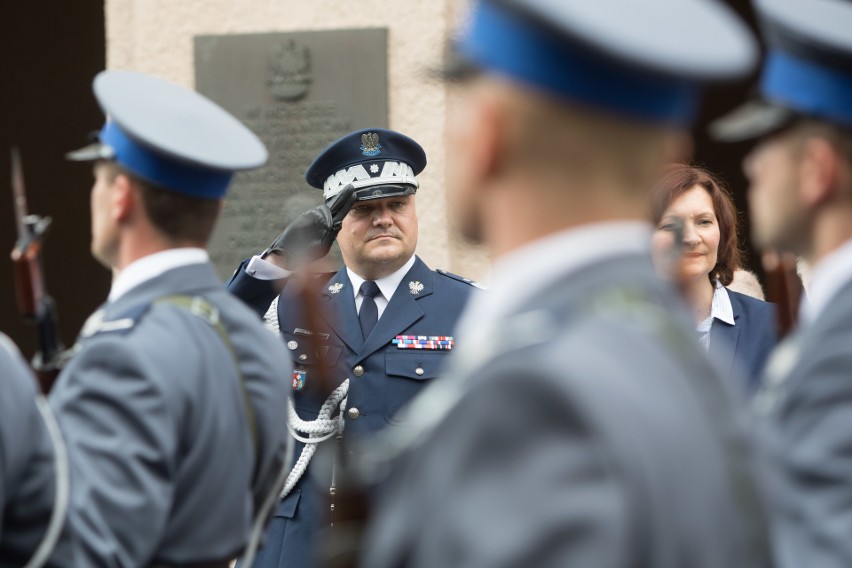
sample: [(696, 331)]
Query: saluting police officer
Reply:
[(801, 201), (584, 425), (171, 406), (388, 318), (33, 469)]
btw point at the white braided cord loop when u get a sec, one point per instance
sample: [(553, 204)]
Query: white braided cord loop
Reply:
[(270, 318), (321, 429)]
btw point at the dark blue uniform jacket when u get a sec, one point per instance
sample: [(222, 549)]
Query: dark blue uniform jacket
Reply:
[(382, 377)]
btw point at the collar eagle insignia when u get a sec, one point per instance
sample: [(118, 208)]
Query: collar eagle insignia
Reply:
[(415, 287), (335, 288), (370, 144)]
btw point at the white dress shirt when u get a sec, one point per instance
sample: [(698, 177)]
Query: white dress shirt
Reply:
[(827, 278), (154, 265), (387, 286), (721, 309), (265, 270)]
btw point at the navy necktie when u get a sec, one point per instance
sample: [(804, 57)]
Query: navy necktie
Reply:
[(369, 313)]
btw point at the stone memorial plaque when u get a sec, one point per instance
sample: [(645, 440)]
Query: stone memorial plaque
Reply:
[(298, 91)]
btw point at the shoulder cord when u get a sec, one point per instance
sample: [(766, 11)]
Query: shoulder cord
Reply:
[(319, 430), (203, 309), (60, 502), (270, 318)]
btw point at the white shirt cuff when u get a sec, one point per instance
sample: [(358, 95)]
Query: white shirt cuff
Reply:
[(264, 270)]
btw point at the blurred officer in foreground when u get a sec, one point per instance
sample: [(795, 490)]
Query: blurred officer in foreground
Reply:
[(171, 406), (33, 468), (801, 202), (586, 427), (385, 324)]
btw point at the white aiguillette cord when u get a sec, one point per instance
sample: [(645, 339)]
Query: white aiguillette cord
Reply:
[(319, 430)]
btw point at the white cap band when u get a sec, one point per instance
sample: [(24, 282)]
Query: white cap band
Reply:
[(395, 173)]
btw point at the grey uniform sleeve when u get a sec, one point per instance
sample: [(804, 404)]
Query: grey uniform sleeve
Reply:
[(511, 478), (121, 438), (17, 416), (812, 437), (27, 465)]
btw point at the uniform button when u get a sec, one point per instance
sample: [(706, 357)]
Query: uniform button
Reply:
[(419, 371), (358, 370), (353, 413), (292, 345), (303, 357)]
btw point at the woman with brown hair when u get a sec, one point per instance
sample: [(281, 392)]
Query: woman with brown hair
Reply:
[(739, 331)]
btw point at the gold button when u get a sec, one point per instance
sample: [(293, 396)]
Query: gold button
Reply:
[(292, 345), (419, 371), (358, 370), (353, 413)]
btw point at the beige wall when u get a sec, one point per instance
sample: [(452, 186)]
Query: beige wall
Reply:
[(156, 36)]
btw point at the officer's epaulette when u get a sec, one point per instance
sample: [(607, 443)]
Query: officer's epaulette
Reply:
[(124, 322), (460, 278), (323, 277)]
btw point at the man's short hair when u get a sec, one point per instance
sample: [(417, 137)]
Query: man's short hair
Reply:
[(180, 217), (838, 136)]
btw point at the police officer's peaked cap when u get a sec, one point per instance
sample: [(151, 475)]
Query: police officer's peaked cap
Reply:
[(807, 71), (376, 161), (641, 59), (170, 136)]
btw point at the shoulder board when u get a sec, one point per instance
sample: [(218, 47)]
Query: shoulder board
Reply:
[(124, 322), (467, 281), (323, 277)]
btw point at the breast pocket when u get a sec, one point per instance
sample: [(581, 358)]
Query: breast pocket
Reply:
[(307, 350), (309, 354), (407, 373)]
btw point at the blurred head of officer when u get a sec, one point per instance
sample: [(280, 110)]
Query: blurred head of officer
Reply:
[(559, 120), (162, 164), (801, 170), (379, 234)]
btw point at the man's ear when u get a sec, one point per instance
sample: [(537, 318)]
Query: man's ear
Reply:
[(489, 147), (125, 198), (819, 171)]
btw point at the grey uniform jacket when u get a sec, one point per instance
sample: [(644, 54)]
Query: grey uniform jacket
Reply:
[(27, 473), (594, 435), (807, 402), (163, 465)]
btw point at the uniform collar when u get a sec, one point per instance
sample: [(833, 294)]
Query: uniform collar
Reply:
[(827, 278), (388, 284), (531, 270), (565, 252), (153, 265)]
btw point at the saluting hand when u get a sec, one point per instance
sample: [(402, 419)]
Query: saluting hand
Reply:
[(311, 235)]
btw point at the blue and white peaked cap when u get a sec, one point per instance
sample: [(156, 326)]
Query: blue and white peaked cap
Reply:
[(170, 136), (807, 71), (378, 162), (642, 59)]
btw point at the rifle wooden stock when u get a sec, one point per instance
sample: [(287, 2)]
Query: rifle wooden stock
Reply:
[(783, 288), (34, 304), (28, 280)]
